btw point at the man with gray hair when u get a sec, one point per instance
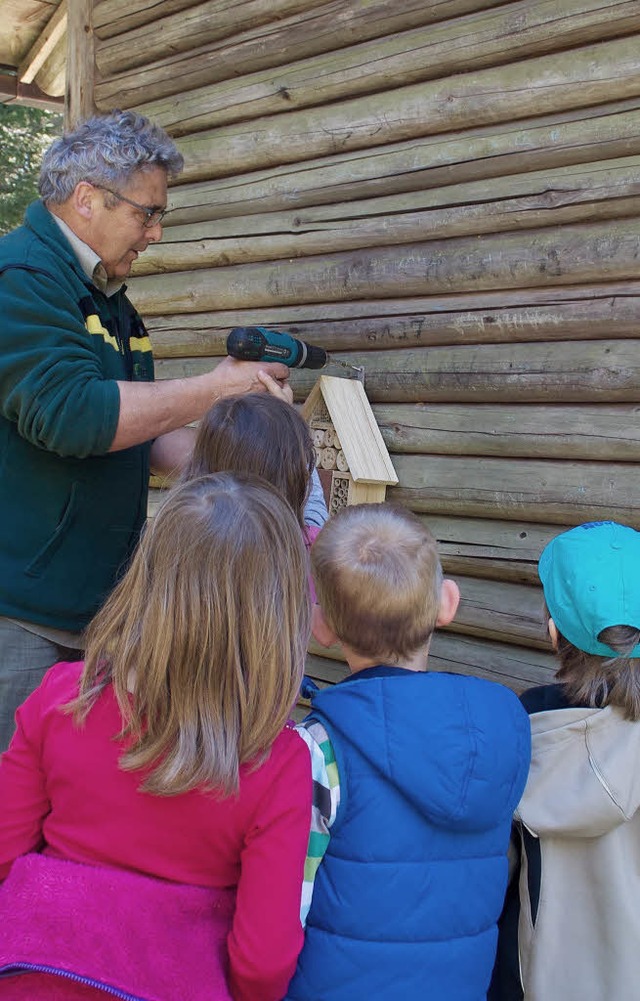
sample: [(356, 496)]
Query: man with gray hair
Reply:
[(81, 420)]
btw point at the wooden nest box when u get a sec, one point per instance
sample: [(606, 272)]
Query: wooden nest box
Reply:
[(352, 459)]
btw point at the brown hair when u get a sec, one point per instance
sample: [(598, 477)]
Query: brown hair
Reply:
[(378, 579), (592, 680), (209, 629), (260, 434)]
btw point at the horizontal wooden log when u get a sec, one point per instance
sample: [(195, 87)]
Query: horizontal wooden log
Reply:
[(207, 21), (595, 433), (582, 193), (507, 612), (491, 549), (571, 372), (605, 251), (111, 18), (594, 74), (306, 33), (572, 313), (517, 31), (517, 667), (557, 492), (425, 162)]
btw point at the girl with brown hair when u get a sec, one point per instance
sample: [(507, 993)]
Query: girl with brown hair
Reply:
[(155, 808), (264, 435)]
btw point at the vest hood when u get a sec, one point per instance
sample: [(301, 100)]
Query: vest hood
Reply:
[(468, 739)]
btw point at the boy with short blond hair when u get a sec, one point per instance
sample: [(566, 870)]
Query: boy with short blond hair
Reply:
[(416, 776)]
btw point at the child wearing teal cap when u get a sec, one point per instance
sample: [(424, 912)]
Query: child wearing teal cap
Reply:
[(571, 925)]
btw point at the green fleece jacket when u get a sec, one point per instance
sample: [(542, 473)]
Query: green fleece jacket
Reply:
[(70, 511)]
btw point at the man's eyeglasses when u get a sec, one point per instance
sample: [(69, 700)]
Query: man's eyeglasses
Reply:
[(152, 215)]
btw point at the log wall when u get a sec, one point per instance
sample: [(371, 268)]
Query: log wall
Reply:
[(446, 193)]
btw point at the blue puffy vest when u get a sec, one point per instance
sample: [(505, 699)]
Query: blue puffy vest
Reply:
[(406, 900)]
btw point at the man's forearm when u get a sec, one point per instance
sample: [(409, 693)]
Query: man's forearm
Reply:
[(171, 452), (152, 409)]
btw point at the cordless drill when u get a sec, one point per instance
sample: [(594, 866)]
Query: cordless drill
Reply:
[(261, 344)]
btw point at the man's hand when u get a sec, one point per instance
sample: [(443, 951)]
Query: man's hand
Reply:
[(282, 390), (235, 376), (151, 409)]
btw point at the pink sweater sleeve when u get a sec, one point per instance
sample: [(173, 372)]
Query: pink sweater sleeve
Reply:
[(267, 936), (23, 793)]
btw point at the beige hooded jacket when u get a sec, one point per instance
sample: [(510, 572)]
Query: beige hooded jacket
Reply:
[(582, 943)]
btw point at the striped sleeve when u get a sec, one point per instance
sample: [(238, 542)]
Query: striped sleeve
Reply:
[(324, 807)]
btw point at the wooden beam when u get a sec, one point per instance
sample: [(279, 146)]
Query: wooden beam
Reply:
[(564, 195), (179, 30), (44, 45), (558, 492), (596, 433), (27, 94), (594, 74), (533, 314), (517, 31), (305, 33), (565, 255), (490, 548), (564, 372), (80, 62)]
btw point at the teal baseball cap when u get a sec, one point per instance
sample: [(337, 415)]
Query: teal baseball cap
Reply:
[(591, 580)]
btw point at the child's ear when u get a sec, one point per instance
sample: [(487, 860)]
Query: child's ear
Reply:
[(553, 633), (321, 629), (449, 601)]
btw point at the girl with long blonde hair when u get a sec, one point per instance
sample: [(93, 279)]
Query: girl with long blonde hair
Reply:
[(155, 791)]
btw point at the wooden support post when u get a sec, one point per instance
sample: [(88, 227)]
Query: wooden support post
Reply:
[(80, 62)]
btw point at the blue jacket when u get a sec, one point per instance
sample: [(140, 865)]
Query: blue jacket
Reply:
[(407, 897)]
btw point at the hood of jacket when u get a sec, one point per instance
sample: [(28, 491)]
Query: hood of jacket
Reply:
[(584, 779), (445, 741)]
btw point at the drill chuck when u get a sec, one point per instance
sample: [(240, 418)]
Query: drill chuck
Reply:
[(261, 344)]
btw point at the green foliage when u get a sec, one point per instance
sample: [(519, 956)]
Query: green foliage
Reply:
[(25, 133)]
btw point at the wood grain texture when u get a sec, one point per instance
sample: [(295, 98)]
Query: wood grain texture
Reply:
[(583, 193), (564, 138), (556, 492), (207, 21), (576, 371), (325, 28), (80, 61), (607, 434), (577, 254), (490, 38), (490, 548), (594, 74), (552, 314)]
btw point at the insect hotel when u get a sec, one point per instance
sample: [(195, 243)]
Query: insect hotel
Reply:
[(352, 459)]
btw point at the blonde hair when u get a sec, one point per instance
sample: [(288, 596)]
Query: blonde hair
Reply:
[(378, 579), (260, 434), (209, 627)]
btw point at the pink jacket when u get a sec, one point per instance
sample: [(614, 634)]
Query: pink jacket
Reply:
[(92, 927)]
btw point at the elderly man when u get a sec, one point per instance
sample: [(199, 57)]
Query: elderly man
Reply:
[(81, 419)]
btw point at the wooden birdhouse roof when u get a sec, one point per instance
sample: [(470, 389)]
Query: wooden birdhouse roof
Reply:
[(352, 417)]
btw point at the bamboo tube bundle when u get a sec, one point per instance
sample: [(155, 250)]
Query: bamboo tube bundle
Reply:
[(339, 493)]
